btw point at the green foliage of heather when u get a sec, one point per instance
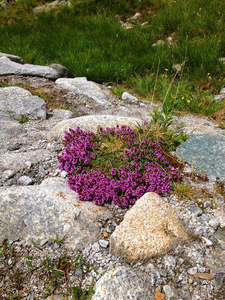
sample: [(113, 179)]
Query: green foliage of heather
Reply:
[(88, 39)]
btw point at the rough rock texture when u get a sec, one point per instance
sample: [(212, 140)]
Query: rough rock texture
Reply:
[(206, 152), (82, 86), (19, 101), (8, 127), (8, 67), (89, 123), (122, 284), (195, 124), (14, 58), (17, 161), (42, 211), (62, 71), (151, 227), (129, 98), (49, 6), (63, 114)]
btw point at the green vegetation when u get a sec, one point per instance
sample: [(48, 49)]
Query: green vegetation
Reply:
[(88, 38), (23, 119), (54, 272)]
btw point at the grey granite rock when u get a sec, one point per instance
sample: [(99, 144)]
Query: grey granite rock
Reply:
[(103, 243), (42, 211), (9, 127), (123, 283), (81, 85), (20, 160), (48, 6), (206, 152), (62, 71), (14, 58), (89, 123), (63, 114), (20, 101), (8, 67), (25, 180), (169, 291), (129, 98)]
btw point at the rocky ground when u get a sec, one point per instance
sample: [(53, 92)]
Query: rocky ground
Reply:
[(43, 223)]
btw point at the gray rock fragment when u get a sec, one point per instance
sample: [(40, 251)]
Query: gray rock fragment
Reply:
[(38, 212), (62, 71), (8, 67), (20, 101), (63, 114), (81, 85), (169, 291), (17, 161), (8, 127), (123, 283), (14, 58), (95, 247), (214, 223), (25, 180), (103, 243), (129, 98), (7, 174)]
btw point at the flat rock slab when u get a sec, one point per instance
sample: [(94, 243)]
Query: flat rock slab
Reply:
[(21, 160), (8, 127), (81, 85), (8, 67), (123, 283), (206, 152), (151, 227), (42, 211), (89, 123), (14, 58), (21, 102)]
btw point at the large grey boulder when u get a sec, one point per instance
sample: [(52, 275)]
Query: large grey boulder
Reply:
[(42, 211), (90, 123), (14, 58), (206, 152), (21, 102), (8, 67), (81, 85), (151, 227), (123, 283), (21, 160), (8, 127)]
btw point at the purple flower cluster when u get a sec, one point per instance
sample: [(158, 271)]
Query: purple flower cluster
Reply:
[(145, 168)]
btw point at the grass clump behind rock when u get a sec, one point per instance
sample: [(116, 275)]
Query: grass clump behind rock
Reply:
[(90, 40)]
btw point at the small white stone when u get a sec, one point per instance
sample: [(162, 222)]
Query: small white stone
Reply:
[(222, 91), (96, 247), (136, 16), (192, 271), (128, 97), (25, 180), (28, 163), (103, 243), (64, 174), (207, 241), (8, 174)]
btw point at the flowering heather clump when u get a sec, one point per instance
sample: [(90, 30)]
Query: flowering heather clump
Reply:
[(101, 173)]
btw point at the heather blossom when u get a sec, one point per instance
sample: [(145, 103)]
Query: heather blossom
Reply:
[(142, 168)]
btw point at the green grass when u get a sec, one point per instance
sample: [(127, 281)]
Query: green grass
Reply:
[(89, 40)]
